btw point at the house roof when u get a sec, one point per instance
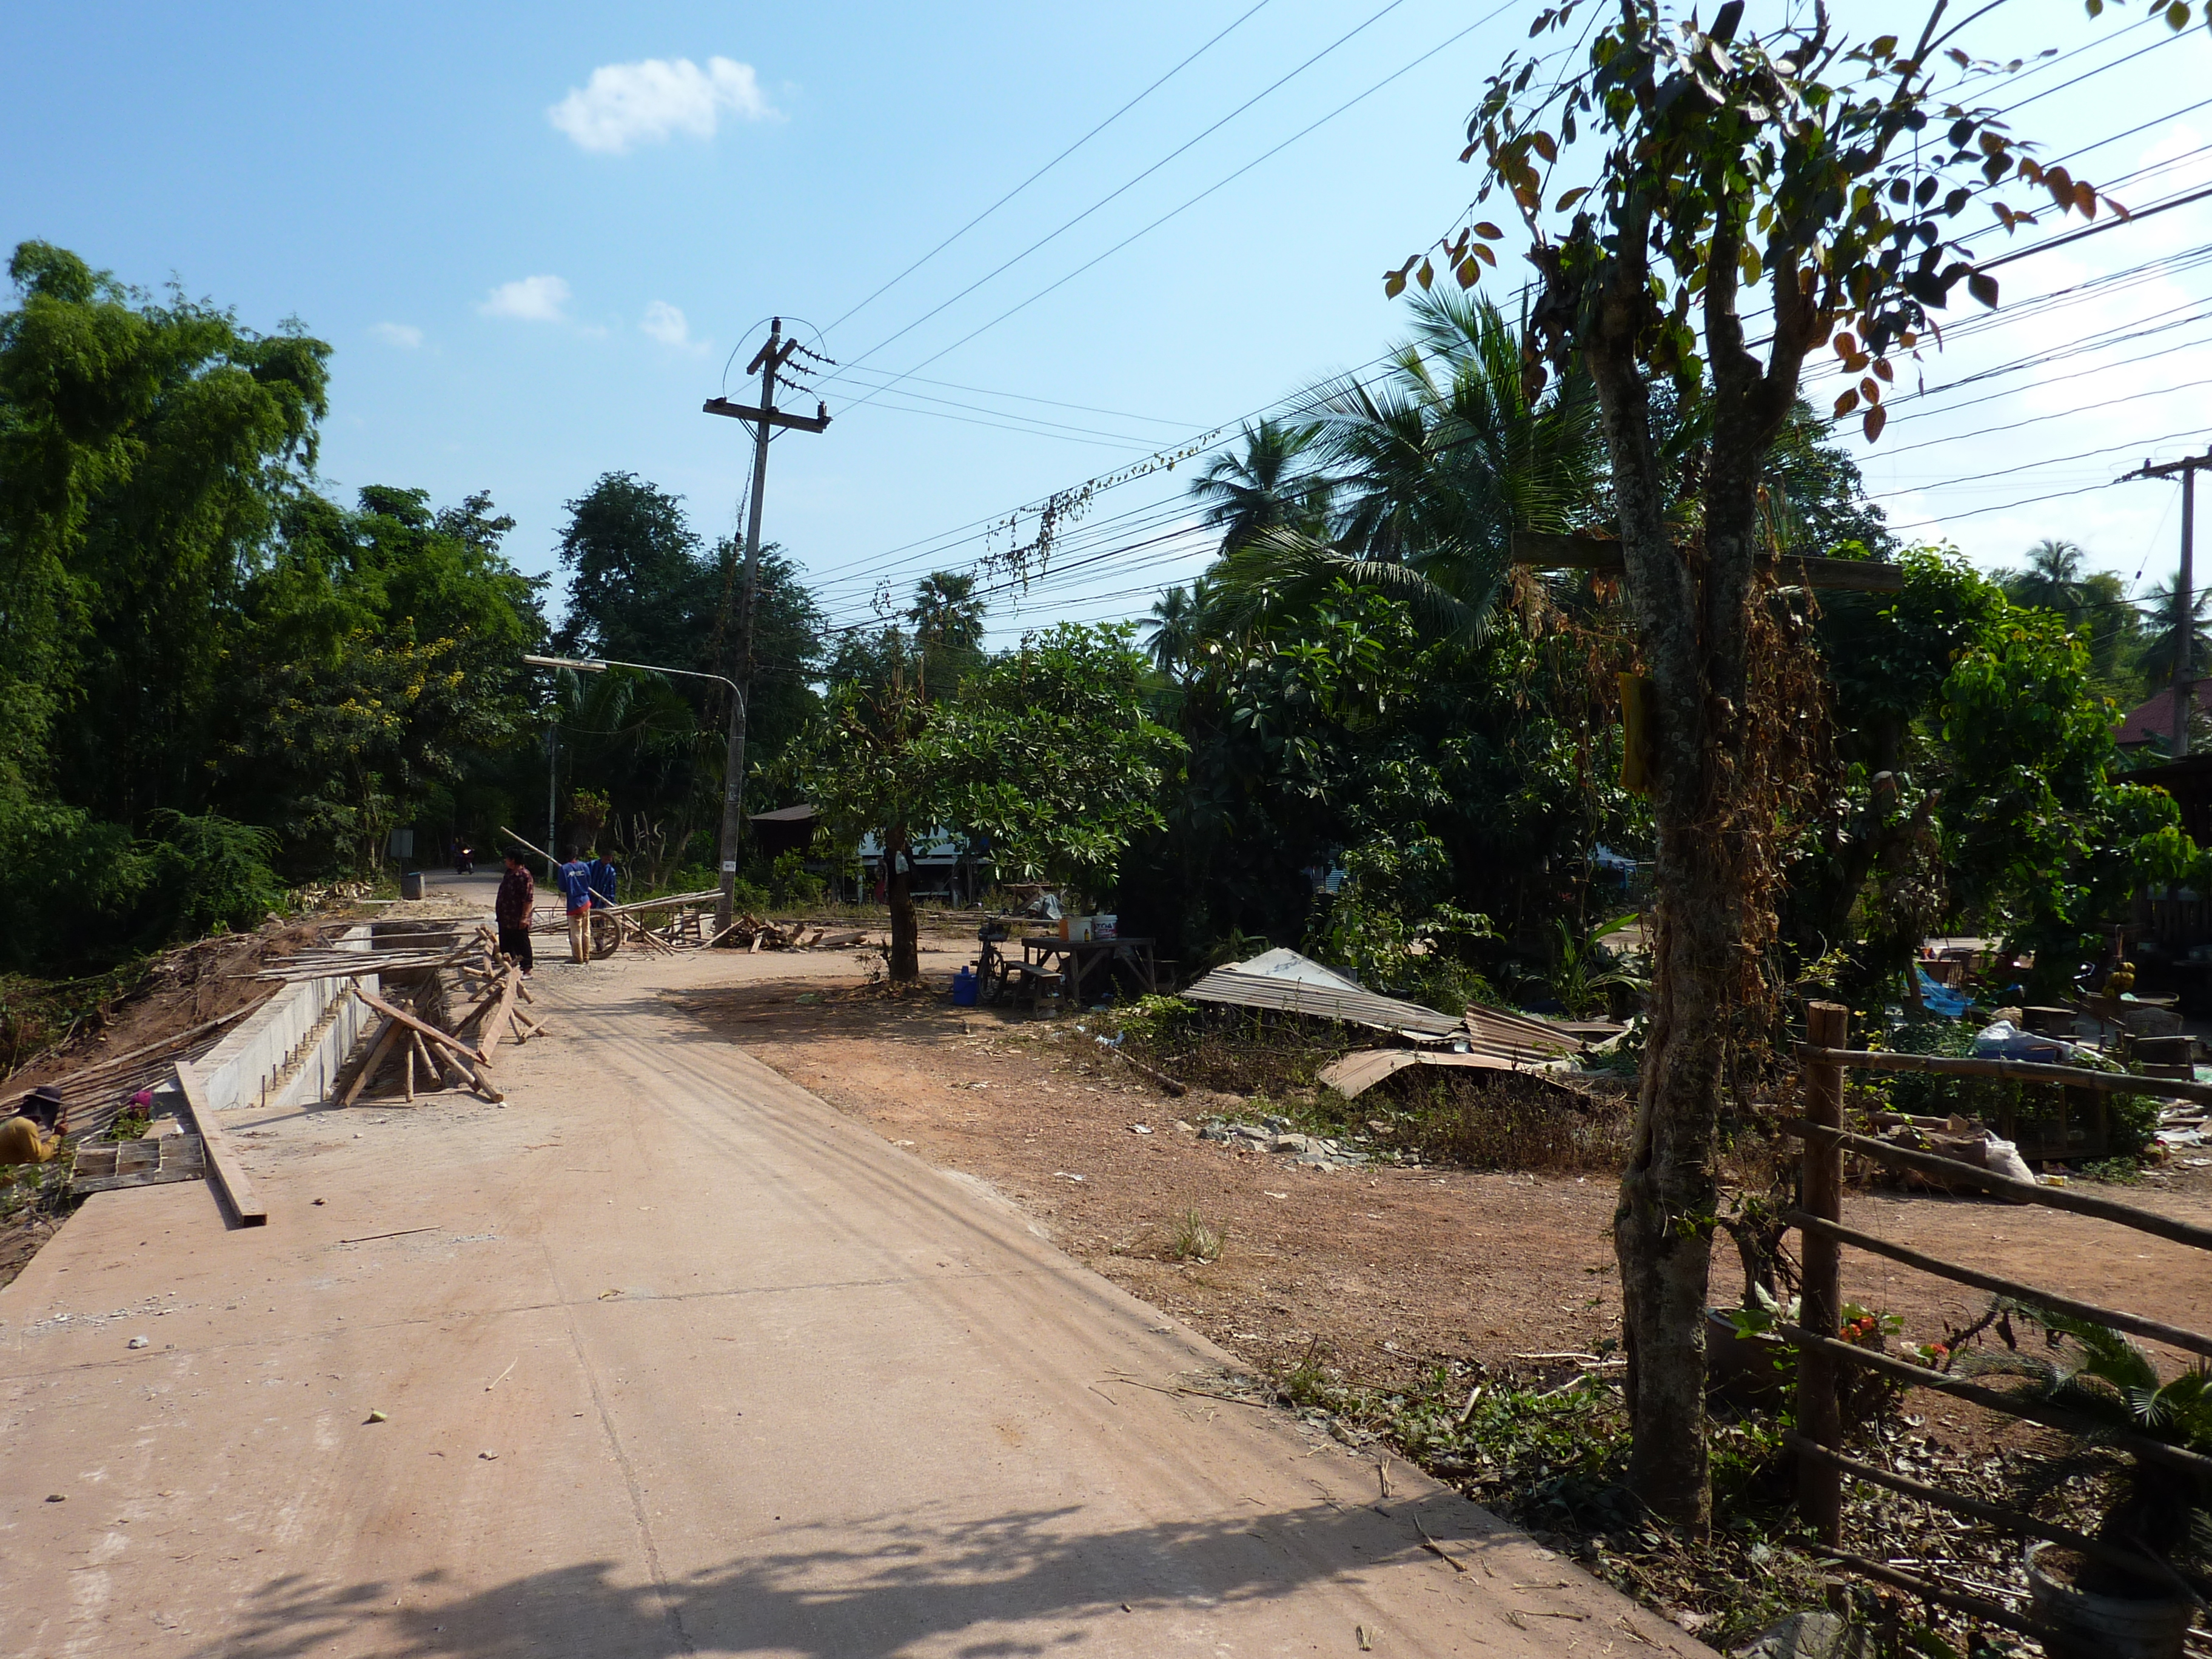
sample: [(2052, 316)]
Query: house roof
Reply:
[(2153, 718)]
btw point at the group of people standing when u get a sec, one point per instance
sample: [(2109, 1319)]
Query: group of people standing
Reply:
[(587, 883)]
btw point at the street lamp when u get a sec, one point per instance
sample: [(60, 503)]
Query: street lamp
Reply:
[(732, 791)]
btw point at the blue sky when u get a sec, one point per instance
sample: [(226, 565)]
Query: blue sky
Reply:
[(535, 235)]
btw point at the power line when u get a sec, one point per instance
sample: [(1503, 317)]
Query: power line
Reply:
[(1237, 24), (1131, 183), (1194, 201), (935, 547)]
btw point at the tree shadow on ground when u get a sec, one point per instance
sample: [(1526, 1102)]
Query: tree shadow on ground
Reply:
[(1025, 1584)]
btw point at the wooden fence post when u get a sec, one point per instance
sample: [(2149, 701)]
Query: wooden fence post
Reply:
[(1820, 1418)]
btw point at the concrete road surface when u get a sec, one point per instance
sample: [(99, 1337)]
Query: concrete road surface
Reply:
[(674, 1359)]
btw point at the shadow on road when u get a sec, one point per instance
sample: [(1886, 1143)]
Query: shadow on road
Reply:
[(870, 1589)]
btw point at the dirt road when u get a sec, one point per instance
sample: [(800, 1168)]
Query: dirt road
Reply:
[(671, 1357)]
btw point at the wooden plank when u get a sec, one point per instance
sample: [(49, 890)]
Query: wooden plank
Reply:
[(2157, 1329), (224, 1170), (1601, 554), (1819, 1492), (483, 1085), (497, 1027), (178, 1157), (2028, 1192), (2012, 1521), (423, 1028), (2006, 1404), (1927, 1590), (2016, 1071), (378, 1048)]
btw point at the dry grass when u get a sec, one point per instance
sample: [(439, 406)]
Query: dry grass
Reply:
[(1517, 1121), (1195, 1239)]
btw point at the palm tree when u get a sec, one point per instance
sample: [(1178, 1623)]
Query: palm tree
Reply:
[(2162, 611), (2053, 582), (1434, 470), (1182, 618), (946, 612), (1264, 489)]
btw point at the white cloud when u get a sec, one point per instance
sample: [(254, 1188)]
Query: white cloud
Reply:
[(665, 323), (405, 336), (528, 300), (628, 104)]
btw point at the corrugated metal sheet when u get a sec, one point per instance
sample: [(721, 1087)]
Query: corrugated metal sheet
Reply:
[(1356, 1074), (1287, 996)]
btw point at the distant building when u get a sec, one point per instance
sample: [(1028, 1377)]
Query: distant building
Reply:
[(2152, 719)]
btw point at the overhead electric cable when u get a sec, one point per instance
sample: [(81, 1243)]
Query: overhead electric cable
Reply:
[(1194, 201), (1235, 24), (1131, 183)]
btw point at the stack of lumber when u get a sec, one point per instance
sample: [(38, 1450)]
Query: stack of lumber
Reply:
[(470, 1004), (752, 933), (614, 925)]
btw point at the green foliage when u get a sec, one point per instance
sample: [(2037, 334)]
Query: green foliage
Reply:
[(1046, 752), (1430, 473), (91, 894), (790, 886), (1587, 973), (1345, 731), (209, 673), (643, 587), (2038, 836), (1393, 928)]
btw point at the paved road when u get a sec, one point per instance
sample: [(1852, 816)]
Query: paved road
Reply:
[(675, 1359)]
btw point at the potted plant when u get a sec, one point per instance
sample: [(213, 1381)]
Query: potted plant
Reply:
[(2096, 1610)]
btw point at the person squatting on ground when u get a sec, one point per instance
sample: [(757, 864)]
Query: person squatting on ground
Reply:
[(518, 897), (31, 1136), (576, 888)]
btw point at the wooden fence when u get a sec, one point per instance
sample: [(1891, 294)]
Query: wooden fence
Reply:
[(1822, 1353)]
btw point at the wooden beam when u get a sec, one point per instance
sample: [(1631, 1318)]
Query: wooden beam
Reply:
[(2013, 1521), (1999, 1400), (224, 1170), (2156, 1329), (2014, 1071), (1929, 1591), (1602, 554), (445, 1039), (483, 1085), (386, 1034), (2028, 1192), (495, 1027)]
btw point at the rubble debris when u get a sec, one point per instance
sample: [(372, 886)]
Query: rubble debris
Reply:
[(1276, 1136)]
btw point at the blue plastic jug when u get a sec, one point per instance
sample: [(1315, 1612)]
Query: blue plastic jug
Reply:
[(963, 989)]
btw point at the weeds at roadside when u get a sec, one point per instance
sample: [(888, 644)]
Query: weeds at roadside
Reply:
[(1552, 1456), (1195, 1239), (34, 1199)]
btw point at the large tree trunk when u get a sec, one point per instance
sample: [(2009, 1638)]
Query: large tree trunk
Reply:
[(1692, 609), (906, 930)]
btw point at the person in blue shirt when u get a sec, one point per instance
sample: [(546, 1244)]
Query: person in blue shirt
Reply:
[(604, 876), (575, 878)]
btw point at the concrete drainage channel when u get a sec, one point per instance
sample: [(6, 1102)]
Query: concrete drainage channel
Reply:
[(289, 1052)]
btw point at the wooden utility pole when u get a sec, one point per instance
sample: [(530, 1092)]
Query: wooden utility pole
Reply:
[(2184, 592), (768, 362)]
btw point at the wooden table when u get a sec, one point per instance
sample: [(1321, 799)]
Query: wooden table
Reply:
[(1077, 961)]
